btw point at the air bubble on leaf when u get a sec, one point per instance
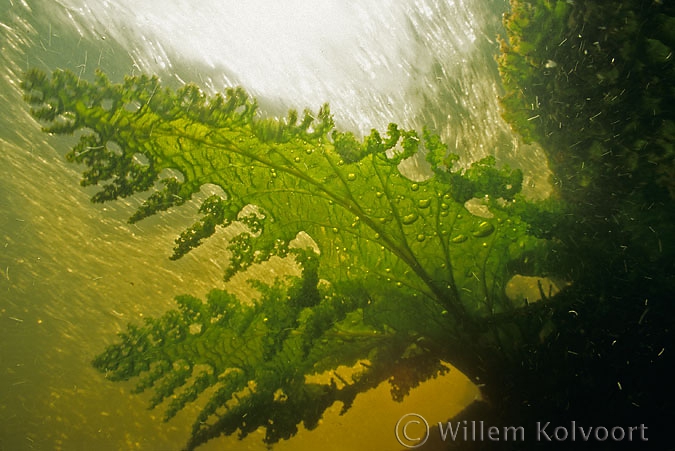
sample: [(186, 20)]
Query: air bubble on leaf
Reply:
[(351, 176), (459, 239), (297, 159), (484, 229), (414, 187), (444, 206), (309, 151), (399, 284), (421, 237), (379, 194), (335, 230), (424, 203), (409, 219)]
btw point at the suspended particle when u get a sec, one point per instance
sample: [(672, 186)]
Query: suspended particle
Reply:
[(484, 229)]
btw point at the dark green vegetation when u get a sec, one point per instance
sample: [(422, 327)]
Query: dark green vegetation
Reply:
[(399, 273), (592, 82)]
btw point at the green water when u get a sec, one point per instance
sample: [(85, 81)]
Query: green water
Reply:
[(73, 273)]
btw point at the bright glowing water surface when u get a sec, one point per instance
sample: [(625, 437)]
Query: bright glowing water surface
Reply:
[(72, 273)]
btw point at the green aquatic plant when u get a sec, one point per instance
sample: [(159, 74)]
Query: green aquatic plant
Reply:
[(591, 83), (395, 271)]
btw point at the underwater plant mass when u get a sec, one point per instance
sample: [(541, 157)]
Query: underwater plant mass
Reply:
[(396, 269)]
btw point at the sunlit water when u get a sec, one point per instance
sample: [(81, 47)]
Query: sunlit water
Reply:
[(72, 273)]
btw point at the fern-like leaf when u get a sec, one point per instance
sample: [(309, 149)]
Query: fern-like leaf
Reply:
[(397, 266)]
